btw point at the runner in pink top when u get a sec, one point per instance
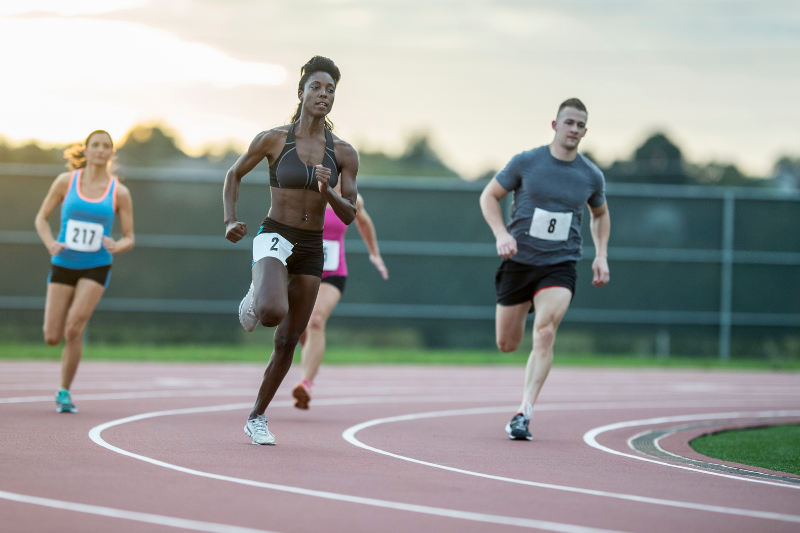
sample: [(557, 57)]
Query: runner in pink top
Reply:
[(334, 279), (333, 246)]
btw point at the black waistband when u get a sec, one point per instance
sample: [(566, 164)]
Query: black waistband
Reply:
[(294, 235)]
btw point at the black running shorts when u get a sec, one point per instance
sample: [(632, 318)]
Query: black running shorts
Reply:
[(70, 276), (516, 283), (337, 281), (306, 256)]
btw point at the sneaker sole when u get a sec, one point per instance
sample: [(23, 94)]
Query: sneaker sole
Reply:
[(250, 434), (64, 409), (241, 319), (301, 396)]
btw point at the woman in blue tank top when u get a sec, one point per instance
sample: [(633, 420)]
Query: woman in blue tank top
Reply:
[(81, 256), (306, 161)]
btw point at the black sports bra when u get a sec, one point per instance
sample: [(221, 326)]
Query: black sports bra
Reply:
[(289, 172)]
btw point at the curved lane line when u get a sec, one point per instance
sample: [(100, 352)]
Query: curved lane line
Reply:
[(110, 512), (349, 436), (590, 438), (95, 435)]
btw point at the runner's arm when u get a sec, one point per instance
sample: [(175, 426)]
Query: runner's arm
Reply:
[(367, 230), (258, 150), (490, 207), (125, 212), (56, 194), (345, 205), (601, 230)]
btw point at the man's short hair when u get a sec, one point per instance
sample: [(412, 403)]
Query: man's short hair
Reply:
[(574, 103)]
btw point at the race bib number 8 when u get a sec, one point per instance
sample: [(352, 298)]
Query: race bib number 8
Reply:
[(84, 236), (331, 251), (271, 245), (550, 226)]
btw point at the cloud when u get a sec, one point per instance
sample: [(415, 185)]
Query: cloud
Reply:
[(67, 8), (76, 52)]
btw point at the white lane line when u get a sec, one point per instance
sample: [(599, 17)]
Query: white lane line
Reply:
[(154, 384), (134, 395), (349, 436), (110, 512), (210, 393), (590, 438), (95, 435), (491, 397)]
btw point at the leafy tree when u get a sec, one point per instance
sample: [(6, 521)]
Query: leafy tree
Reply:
[(418, 159), (722, 174), (657, 160), (149, 145), (31, 152)]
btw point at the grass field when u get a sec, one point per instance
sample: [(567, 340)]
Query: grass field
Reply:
[(776, 447), (345, 356)]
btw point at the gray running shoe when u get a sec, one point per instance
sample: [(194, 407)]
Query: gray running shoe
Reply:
[(256, 428), (247, 317), (64, 402), (517, 429)]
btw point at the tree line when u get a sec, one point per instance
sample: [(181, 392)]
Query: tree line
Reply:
[(656, 160)]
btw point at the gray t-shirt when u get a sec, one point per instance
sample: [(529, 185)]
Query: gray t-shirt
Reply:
[(549, 195)]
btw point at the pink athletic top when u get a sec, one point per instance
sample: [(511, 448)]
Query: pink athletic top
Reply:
[(333, 243)]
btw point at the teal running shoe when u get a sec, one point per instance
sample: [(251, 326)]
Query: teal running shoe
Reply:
[(64, 402)]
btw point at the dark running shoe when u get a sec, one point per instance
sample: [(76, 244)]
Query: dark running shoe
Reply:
[(517, 429)]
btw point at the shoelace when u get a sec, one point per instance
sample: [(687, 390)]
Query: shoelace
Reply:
[(250, 311), (63, 397), (260, 426), (520, 422)]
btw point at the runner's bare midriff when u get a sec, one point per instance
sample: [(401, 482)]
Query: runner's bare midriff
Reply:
[(298, 208)]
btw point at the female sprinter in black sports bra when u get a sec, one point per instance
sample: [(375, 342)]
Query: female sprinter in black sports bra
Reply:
[(306, 162)]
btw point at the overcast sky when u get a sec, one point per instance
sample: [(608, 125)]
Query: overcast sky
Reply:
[(722, 78)]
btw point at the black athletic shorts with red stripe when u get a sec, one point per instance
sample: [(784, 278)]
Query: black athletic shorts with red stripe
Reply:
[(516, 283)]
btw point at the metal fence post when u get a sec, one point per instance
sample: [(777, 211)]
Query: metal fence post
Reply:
[(726, 283)]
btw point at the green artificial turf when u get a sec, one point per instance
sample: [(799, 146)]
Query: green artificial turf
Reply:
[(776, 448), (249, 353)]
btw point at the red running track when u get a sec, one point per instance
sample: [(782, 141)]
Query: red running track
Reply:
[(157, 447)]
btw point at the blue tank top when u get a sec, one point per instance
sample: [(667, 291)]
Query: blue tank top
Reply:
[(84, 222)]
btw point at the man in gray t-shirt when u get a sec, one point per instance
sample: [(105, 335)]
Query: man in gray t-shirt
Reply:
[(542, 244)]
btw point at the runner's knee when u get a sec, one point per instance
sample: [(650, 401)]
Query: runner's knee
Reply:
[(316, 323), (52, 338), (545, 334), (269, 314), (74, 330), (506, 345)]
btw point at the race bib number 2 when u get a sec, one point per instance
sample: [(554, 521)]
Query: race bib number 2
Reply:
[(550, 226), (84, 236), (271, 245)]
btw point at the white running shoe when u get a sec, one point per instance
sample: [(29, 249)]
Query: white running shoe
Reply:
[(256, 428), (247, 317)]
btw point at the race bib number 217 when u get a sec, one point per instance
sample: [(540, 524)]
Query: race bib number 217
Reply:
[(83, 236)]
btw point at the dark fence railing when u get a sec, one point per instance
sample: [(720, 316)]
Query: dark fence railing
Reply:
[(679, 255)]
